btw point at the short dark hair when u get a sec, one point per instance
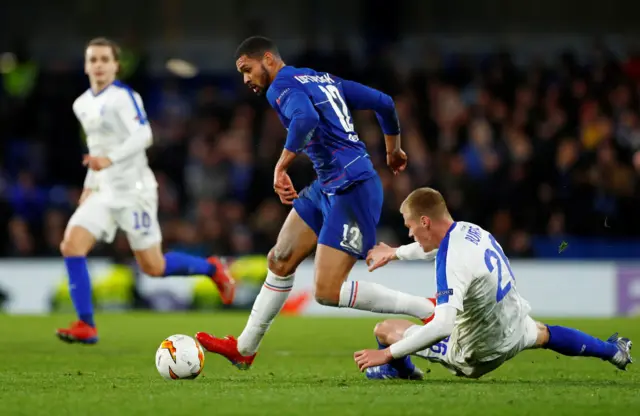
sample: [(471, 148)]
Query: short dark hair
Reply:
[(101, 41), (256, 47)]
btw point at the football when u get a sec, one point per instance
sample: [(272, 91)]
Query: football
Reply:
[(179, 357)]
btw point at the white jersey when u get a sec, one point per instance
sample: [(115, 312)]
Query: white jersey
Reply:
[(116, 126), (474, 275)]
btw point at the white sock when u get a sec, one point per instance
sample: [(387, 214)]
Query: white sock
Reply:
[(373, 297), (270, 300)]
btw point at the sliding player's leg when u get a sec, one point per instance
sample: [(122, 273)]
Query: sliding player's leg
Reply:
[(296, 241), (349, 232), (389, 332), (92, 221), (573, 342)]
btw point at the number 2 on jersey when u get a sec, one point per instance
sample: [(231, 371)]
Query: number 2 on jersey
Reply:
[(342, 111), (498, 255)]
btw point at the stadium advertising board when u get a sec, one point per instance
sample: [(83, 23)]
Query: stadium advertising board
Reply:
[(557, 289)]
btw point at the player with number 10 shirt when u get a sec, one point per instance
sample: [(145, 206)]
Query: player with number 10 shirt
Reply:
[(338, 213)]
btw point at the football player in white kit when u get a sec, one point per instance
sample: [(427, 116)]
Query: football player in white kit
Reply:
[(480, 320), (120, 192)]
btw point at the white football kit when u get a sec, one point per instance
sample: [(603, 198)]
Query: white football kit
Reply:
[(125, 194), (492, 324)]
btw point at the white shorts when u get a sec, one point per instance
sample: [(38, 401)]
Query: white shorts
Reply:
[(137, 217), (447, 353)]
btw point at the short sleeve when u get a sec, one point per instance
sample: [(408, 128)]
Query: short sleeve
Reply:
[(452, 275)]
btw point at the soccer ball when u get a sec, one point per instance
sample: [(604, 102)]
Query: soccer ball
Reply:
[(179, 357)]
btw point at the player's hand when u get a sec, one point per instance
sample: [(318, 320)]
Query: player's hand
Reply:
[(372, 358), (380, 255), (397, 160), (96, 163), (284, 187)]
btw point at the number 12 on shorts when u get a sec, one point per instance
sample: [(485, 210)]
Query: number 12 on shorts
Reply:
[(497, 254), (141, 220)]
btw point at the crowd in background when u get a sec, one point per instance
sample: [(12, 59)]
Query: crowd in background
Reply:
[(542, 150)]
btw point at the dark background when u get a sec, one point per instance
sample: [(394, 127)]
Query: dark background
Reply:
[(526, 116)]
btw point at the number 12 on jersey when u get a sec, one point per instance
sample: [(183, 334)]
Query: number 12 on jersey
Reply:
[(339, 106), (497, 254)]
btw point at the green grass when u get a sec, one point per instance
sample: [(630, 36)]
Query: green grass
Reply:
[(305, 367)]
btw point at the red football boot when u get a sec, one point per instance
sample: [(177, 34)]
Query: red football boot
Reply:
[(227, 347), (223, 280), (80, 332), (430, 318)]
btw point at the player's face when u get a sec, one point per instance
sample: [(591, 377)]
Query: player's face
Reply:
[(100, 64), (420, 231), (254, 73)]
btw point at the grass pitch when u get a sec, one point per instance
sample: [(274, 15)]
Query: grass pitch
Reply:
[(305, 367)]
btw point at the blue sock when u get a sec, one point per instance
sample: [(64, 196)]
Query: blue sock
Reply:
[(180, 264), (402, 365), (571, 342), (80, 288)]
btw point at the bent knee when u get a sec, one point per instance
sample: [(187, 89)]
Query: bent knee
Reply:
[(543, 335), (77, 242), (280, 261), (327, 294), (381, 330), (152, 269), (71, 248)]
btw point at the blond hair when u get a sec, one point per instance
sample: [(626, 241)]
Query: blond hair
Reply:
[(425, 202)]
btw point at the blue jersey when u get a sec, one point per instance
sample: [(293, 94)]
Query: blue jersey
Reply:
[(315, 108)]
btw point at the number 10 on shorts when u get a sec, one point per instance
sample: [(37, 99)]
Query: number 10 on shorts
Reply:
[(141, 220)]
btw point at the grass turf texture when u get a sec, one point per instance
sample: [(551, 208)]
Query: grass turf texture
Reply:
[(305, 367)]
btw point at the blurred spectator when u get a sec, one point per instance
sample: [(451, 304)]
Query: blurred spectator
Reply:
[(540, 150)]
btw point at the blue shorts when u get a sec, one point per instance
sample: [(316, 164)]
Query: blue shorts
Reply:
[(346, 220)]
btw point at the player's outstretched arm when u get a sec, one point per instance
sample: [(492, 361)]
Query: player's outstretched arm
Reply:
[(297, 107), (435, 331), (414, 251), (382, 254), (361, 97)]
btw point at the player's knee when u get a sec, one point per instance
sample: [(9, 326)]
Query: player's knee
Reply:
[(327, 294), (280, 261), (70, 248), (543, 335), (152, 269), (381, 330)]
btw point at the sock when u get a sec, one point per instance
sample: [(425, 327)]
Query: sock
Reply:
[(373, 297), (180, 264), (404, 365), (272, 296), (572, 342), (80, 288)]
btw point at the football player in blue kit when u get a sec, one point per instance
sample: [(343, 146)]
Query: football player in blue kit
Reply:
[(338, 213)]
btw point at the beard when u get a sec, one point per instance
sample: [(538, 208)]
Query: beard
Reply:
[(264, 78)]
